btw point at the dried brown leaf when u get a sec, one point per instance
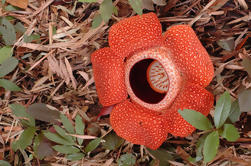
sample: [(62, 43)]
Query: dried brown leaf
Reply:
[(19, 3), (246, 63)]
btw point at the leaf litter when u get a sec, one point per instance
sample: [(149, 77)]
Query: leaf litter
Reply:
[(58, 72)]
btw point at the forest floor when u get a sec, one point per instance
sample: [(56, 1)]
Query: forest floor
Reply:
[(46, 47)]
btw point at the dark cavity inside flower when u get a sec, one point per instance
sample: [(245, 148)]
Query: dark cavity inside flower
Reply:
[(141, 86)]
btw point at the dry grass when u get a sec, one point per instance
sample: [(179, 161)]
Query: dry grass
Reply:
[(58, 71)]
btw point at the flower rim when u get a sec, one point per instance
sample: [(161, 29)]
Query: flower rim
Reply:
[(162, 55)]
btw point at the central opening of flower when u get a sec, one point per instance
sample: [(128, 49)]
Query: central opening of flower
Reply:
[(149, 81), (152, 79)]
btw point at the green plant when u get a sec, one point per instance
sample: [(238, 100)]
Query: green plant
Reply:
[(7, 62), (107, 8), (208, 143), (66, 136), (7, 65)]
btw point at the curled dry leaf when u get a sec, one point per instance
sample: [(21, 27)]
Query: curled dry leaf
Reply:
[(19, 3)]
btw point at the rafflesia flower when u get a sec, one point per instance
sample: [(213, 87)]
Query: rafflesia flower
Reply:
[(148, 77)]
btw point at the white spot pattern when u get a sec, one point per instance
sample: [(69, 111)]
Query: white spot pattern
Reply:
[(163, 56)]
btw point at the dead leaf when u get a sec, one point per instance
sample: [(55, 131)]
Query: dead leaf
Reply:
[(182, 153), (227, 44), (69, 69), (218, 4), (244, 99), (147, 4), (41, 112), (246, 63), (83, 136), (44, 149), (159, 2), (19, 3), (93, 129)]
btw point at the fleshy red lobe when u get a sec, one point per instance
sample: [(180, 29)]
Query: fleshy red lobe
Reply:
[(109, 76), (138, 124), (194, 97), (135, 33), (189, 54)]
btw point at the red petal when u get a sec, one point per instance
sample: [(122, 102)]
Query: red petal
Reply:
[(138, 124), (135, 33), (109, 76), (191, 97), (189, 54)]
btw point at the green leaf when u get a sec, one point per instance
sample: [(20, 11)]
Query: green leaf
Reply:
[(37, 140), (162, 155), (97, 20), (26, 138), (11, 8), (92, 145), (137, 6), (88, 1), (127, 160), (211, 146), (41, 111), (106, 10), (5, 53), (230, 132), (8, 66), (62, 132), (19, 27), (15, 146), (33, 37), (196, 119), (8, 85), (4, 163), (222, 109), (244, 99), (66, 149), (235, 113), (75, 156), (8, 32), (199, 147), (67, 124), (112, 141), (115, 11), (57, 138), (79, 127), (20, 111)]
